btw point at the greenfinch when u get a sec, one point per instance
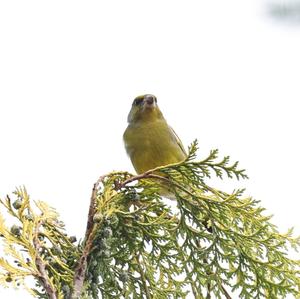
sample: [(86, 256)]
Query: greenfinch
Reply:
[(149, 141)]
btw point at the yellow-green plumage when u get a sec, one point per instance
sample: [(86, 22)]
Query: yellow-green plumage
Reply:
[(149, 141)]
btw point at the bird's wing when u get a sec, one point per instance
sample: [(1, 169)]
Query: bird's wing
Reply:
[(178, 141)]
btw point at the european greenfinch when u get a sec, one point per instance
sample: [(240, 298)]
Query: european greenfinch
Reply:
[(149, 141)]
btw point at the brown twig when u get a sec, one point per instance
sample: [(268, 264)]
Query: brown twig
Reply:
[(41, 266), (225, 293), (80, 270), (150, 175)]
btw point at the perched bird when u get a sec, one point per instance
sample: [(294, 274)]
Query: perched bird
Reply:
[(149, 141)]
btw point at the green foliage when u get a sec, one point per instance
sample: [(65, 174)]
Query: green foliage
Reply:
[(36, 236), (211, 244), (134, 252)]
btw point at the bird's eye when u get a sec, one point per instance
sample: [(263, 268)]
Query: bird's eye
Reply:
[(138, 101)]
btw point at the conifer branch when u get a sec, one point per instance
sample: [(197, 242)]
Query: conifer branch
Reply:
[(41, 267), (143, 277), (80, 271), (136, 246)]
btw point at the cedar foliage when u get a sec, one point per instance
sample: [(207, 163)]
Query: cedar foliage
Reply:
[(136, 246)]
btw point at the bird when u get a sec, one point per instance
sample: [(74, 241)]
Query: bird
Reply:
[(149, 141)]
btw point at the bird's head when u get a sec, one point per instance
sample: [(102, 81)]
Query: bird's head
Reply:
[(144, 108)]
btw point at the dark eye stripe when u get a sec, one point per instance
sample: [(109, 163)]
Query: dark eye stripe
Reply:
[(138, 101)]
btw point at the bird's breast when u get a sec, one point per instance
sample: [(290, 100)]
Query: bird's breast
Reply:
[(151, 145)]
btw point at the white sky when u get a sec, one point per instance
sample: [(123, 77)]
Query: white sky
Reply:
[(223, 71)]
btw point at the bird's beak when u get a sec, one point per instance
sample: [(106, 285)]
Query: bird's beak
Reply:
[(149, 101)]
